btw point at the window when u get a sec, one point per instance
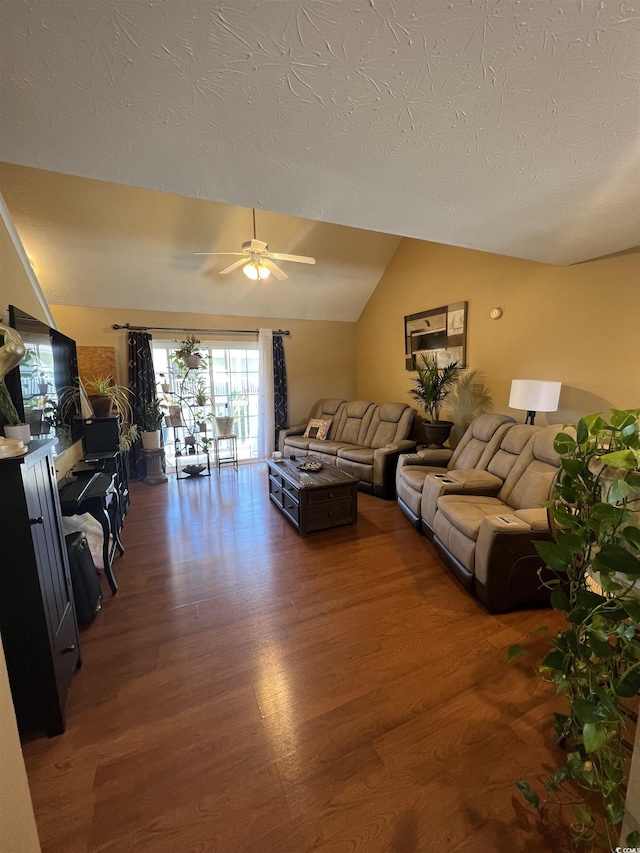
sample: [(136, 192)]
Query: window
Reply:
[(225, 385)]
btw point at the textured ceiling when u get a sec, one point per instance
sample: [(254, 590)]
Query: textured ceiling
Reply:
[(510, 127), (107, 245)]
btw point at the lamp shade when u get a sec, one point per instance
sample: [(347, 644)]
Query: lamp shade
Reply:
[(535, 395)]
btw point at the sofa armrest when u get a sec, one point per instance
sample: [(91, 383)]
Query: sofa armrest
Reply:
[(536, 518), (437, 456), (385, 460), (507, 563), (492, 527), (424, 457), (298, 429), (463, 482), (475, 481)]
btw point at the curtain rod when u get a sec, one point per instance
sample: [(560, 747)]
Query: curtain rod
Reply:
[(285, 332)]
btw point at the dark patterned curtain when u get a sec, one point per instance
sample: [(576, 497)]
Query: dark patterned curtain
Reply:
[(142, 388), (279, 387)]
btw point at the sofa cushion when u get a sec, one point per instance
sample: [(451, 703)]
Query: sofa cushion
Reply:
[(480, 441), (354, 422), (466, 512), (363, 455), (298, 442), (390, 423), (318, 428), (511, 446), (329, 448)]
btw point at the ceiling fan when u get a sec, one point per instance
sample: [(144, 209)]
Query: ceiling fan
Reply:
[(257, 261)]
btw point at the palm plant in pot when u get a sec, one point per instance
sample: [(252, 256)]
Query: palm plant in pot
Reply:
[(431, 387), (150, 419)]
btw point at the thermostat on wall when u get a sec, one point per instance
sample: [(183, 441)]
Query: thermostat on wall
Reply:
[(496, 313)]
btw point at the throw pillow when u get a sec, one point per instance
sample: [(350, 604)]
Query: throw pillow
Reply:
[(318, 428)]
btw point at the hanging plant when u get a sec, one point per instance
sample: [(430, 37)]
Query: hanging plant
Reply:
[(595, 660), (189, 352)]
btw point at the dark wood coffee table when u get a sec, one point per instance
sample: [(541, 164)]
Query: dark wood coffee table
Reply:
[(312, 501)]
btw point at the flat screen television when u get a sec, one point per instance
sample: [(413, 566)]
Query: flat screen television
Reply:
[(44, 385)]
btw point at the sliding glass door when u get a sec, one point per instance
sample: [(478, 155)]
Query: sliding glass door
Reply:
[(225, 385)]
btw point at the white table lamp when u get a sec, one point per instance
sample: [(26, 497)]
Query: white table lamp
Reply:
[(534, 395)]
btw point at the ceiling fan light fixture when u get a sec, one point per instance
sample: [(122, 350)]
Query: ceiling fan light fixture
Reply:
[(255, 271)]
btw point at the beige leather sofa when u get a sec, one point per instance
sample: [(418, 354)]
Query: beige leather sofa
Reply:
[(474, 452), (488, 541), (498, 462), (364, 440)]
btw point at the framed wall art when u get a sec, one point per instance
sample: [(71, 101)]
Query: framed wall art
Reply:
[(442, 332)]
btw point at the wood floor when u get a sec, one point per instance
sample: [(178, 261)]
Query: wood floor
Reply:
[(249, 691)]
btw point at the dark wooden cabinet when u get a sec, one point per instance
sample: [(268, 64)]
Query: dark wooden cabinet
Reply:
[(37, 617)]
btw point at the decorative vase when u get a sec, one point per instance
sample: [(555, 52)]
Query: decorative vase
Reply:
[(21, 431), (150, 439), (102, 406), (437, 432)]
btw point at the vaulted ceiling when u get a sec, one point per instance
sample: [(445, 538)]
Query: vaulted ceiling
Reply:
[(504, 126)]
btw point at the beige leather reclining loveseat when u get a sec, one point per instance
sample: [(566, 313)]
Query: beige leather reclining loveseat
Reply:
[(364, 439), (485, 519)]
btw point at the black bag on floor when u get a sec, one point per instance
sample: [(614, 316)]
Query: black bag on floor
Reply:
[(84, 578)]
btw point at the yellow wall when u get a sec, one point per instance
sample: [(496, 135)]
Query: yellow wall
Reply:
[(15, 287), (320, 356), (575, 324)]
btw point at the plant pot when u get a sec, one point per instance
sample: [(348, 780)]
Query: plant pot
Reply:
[(21, 431), (43, 388), (437, 432), (192, 361), (224, 425), (102, 406), (150, 439), (165, 387)]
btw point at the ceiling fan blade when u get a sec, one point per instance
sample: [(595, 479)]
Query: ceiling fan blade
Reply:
[(234, 266), (297, 259), (218, 253), (278, 273)]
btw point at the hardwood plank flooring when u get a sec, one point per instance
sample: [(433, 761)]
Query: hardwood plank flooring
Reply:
[(249, 691)]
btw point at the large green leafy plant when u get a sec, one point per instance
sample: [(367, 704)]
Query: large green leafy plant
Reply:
[(433, 384), (595, 660)]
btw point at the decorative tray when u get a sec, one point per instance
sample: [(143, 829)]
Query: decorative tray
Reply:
[(310, 466)]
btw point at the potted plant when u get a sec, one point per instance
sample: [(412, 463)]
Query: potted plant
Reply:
[(104, 395), (151, 419), (14, 428), (431, 388), (594, 662), (189, 352), (164, 385)]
